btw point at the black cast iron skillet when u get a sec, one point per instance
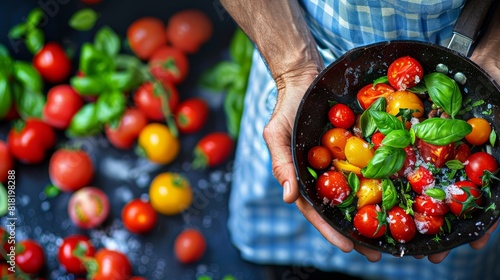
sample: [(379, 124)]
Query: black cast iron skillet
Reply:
[(341, 81)]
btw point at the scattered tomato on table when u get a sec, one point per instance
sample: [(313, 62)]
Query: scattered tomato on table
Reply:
[(73, 251), (139, 216), (189, 246), (71, 169), (170, 193), (158, 143), (88, 207), (30, 140), (30, 256)]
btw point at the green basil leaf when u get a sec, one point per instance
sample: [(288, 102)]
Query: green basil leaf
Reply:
[(107, 41), (123, 80), (385, 162), (34, 17), (389, 194), (29, 103), (27, 76), (233, 108), (436, 193), (493, 137), (17, 31), (5, 96), (84, 122), (110, 105), (454, 164), (381, 80), (4, 206), (83, 19), (386, 122), (241, 49), (86, 85), (439, 131), (397, 138), (221, 76), (354, 182), (418, 88), (35, 39), (444, 92), (95, 62), (368, 125), (6, 61)]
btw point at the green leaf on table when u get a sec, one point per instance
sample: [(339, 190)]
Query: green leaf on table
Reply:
[(34, 18), (29, 103), (94, 85), (107, 41), (241, 49), (83, 19), (94, 61), (84, 122), (17, 31), (221, 76), (233, 107), (5, 96), (27, 76), (110, 105), (35, 39)]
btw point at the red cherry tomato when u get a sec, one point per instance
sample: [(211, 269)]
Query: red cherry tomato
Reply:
[(6, 162), (332, 187), (187, 30), (428, 224), (62, 104), (150, 103), (88, 207), (405, 72), (169, 64), (30, 256), (401, 225), (29, 141), (319, 157), (420, 179), (189, 246), (145, 36), (427, 205), (462, 152), (139, 216), (70, 169), (71, 251), (377, 139), (369, 222), (437, 155), (342, 116), (369, 94), (191, 115), (408, 164), (52, 63), (213, 149), (463, 197), (477, 163), (128, 130), (112, 265)]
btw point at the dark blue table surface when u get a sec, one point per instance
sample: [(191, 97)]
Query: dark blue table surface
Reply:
[(121, 174)]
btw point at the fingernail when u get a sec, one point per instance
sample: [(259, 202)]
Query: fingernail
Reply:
[(286, 189)]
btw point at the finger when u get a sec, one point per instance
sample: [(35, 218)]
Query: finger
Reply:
[(439, 257), (481, 242), (330, 234), (370, 254)]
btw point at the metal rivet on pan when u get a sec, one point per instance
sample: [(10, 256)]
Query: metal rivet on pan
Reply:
[(460, 78), (441, 68)]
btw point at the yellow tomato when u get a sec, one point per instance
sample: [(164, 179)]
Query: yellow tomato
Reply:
[(358, 152), (170, 193), (370, 192), (480, 133), (346, 167), (158, 143), (404, 100)]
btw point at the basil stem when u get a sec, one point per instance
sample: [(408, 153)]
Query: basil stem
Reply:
[(368, 125), (386, 161), (439, 131), (444, 92)]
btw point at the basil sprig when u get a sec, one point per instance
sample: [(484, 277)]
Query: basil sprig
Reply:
[(440, 131), (389, 194), (386, 122), (444, 92)]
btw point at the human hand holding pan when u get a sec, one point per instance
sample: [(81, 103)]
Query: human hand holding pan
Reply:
[(341, 81)]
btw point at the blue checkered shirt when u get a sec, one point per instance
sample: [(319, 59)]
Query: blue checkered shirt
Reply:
[(264, 228)]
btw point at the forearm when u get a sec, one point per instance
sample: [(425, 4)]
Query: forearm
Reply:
[(486, 53), (279, 31)]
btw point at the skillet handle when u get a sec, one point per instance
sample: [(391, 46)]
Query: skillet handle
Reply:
[(472, 17)]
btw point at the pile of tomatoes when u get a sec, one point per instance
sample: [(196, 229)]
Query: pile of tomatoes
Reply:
[(147, 114), (407, 162)]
